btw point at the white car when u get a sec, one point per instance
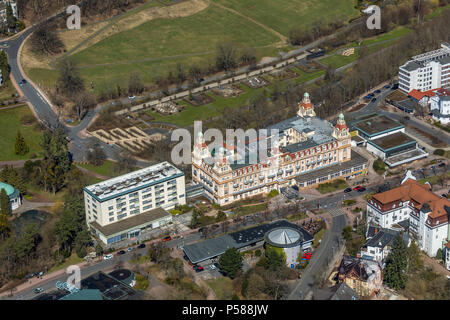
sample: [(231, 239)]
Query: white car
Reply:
[(131, 97), (213, 267), (108, 256)]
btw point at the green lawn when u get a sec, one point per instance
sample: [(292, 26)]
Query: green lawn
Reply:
[(106, 169), (222, 287), (7, 91), (73, 259), (433, 180), (186, 117), (338, 60), (9, 125), (284, 15), (332, 186), (251, 209)]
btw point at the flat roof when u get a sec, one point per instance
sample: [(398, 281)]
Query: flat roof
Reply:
[(356, 160), (111, 288), (207, 249), (377, 125), (392, 141), (130, 223), (132, 181)]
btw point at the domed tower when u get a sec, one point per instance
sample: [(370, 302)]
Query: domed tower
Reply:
[(221, 162), (342, 135), (341, 130), (306, 108), (200, 149)]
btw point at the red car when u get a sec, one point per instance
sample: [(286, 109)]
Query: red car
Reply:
[(165, 239), (307, 255), (198, 268), (357, 188)]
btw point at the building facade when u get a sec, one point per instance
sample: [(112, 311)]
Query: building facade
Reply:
[(306, 146), (125, 206), (413, 202), (427, 71), (440, 106), (15, 200)]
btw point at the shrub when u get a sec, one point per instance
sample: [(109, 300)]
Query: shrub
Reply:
[(272, 193), (439, 152)]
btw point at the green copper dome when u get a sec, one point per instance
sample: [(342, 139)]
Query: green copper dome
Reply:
[(8, 188)]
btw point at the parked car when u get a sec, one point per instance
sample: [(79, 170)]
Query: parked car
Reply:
[(444, 195), (167, 238), (307, 255), (141, 246), (374, 99), (129, 249), (348, 190), (357, 188), (441, 164), (387, 86), (121, 252), (199, 269), (108, 256), (406, 117), (213, 267), (131, 97), (38, 290), (362, 189)]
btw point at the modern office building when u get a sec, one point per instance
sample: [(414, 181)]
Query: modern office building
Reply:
[(125, 206), (427, 71), (386, 139), (307, 151)]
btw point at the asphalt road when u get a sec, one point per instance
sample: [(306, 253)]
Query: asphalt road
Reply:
[(99, 265), (321, 257)]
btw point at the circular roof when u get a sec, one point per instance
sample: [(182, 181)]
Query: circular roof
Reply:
[(284, 237), (8, 188)]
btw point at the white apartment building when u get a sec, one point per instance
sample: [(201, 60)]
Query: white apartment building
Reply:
[(440, 106), (3, 4), (447, 255), (124, 206), (427, 71), (309, 151), (412, 202)]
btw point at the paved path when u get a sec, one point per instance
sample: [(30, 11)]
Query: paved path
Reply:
[(321, 257)]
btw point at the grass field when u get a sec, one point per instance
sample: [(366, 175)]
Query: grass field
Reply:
[(187, 116), (7, 91), (9, 125), (106, 169), (332, 186), (222, 287), (284, 15)]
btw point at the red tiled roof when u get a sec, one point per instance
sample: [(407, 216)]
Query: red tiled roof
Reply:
[(418, 95), (420, 193)]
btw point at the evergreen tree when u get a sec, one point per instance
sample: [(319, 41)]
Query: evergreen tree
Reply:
[(395, 272), (5, 207), (20, 146), (231, 262), (194, 219)]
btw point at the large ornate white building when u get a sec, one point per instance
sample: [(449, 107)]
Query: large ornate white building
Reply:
[(308, 151), (413, 204)]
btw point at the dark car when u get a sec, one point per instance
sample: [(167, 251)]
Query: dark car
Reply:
[(441, 164), (167, 238), (370, 95), (362, 189), (121, 252), (377, 91), (348, 190), (387, 86), (444, 195), (24, 81), (406, 117), (141, 246), (374, 99)]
